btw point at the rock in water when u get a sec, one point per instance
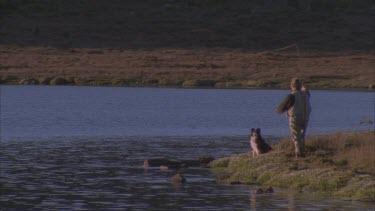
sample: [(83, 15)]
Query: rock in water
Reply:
[(205, 160), (178, 178), (259, 191), (158, 162), (269, 190)]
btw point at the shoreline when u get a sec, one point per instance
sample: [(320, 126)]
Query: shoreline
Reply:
[(216, 88), (332, 166), (185, 68)]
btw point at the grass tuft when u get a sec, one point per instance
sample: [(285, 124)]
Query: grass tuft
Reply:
[(340, 164)]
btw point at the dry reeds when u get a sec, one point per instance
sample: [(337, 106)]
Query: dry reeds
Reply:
[(353, 151), (341, 164), (173, 67)]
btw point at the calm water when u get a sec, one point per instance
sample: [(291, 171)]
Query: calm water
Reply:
[(82, 148), (39, 111)]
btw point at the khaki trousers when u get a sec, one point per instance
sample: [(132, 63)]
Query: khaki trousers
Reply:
[(298, 132)]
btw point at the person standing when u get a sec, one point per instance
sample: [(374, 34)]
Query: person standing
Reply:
[(297, 108)]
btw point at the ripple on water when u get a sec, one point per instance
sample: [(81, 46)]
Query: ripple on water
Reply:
[(107, 174)]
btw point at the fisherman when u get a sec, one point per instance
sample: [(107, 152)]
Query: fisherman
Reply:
[(297, 108)]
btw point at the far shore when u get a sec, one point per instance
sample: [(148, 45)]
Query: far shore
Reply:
[(175, 87), (195, 43), (185, 68)]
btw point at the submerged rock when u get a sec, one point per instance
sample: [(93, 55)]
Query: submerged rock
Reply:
[(163, 168), (259, 191), (236, 183), (205, 160), (159, 162), (166, 164), (178, 178), (267, 190)]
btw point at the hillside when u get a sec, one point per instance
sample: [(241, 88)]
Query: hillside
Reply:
[(169, 42)]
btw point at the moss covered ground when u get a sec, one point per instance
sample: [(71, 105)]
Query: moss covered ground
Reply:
[(341, 165)]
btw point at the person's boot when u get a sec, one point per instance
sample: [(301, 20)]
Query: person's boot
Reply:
[(296, 150), (299, 152)]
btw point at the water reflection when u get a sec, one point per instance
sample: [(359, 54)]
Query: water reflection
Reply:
[(291, 202), (253, 201)]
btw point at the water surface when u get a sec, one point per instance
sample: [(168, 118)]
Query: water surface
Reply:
[(107, 174), (82, 148), (40, 111)]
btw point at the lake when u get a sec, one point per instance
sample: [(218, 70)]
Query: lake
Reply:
[(82, 148), (40, 111)]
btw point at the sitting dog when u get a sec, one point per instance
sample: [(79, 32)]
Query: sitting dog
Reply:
[(257, 143)]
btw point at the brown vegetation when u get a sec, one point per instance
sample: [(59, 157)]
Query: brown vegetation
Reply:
[(194, 43), (348, 151), (222, 68)]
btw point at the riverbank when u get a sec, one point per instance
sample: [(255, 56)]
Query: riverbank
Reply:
[(206, 67), (341, 165)]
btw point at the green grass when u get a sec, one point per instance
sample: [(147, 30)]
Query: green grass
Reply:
[(341, 164)]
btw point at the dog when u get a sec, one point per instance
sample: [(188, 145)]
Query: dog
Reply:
[(257, 143)]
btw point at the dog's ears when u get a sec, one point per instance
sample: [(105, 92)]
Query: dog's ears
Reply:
[(252, 129), (258, 130)]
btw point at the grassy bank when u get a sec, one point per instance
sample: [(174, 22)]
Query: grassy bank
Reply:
[(219, 68), (341, 164)]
